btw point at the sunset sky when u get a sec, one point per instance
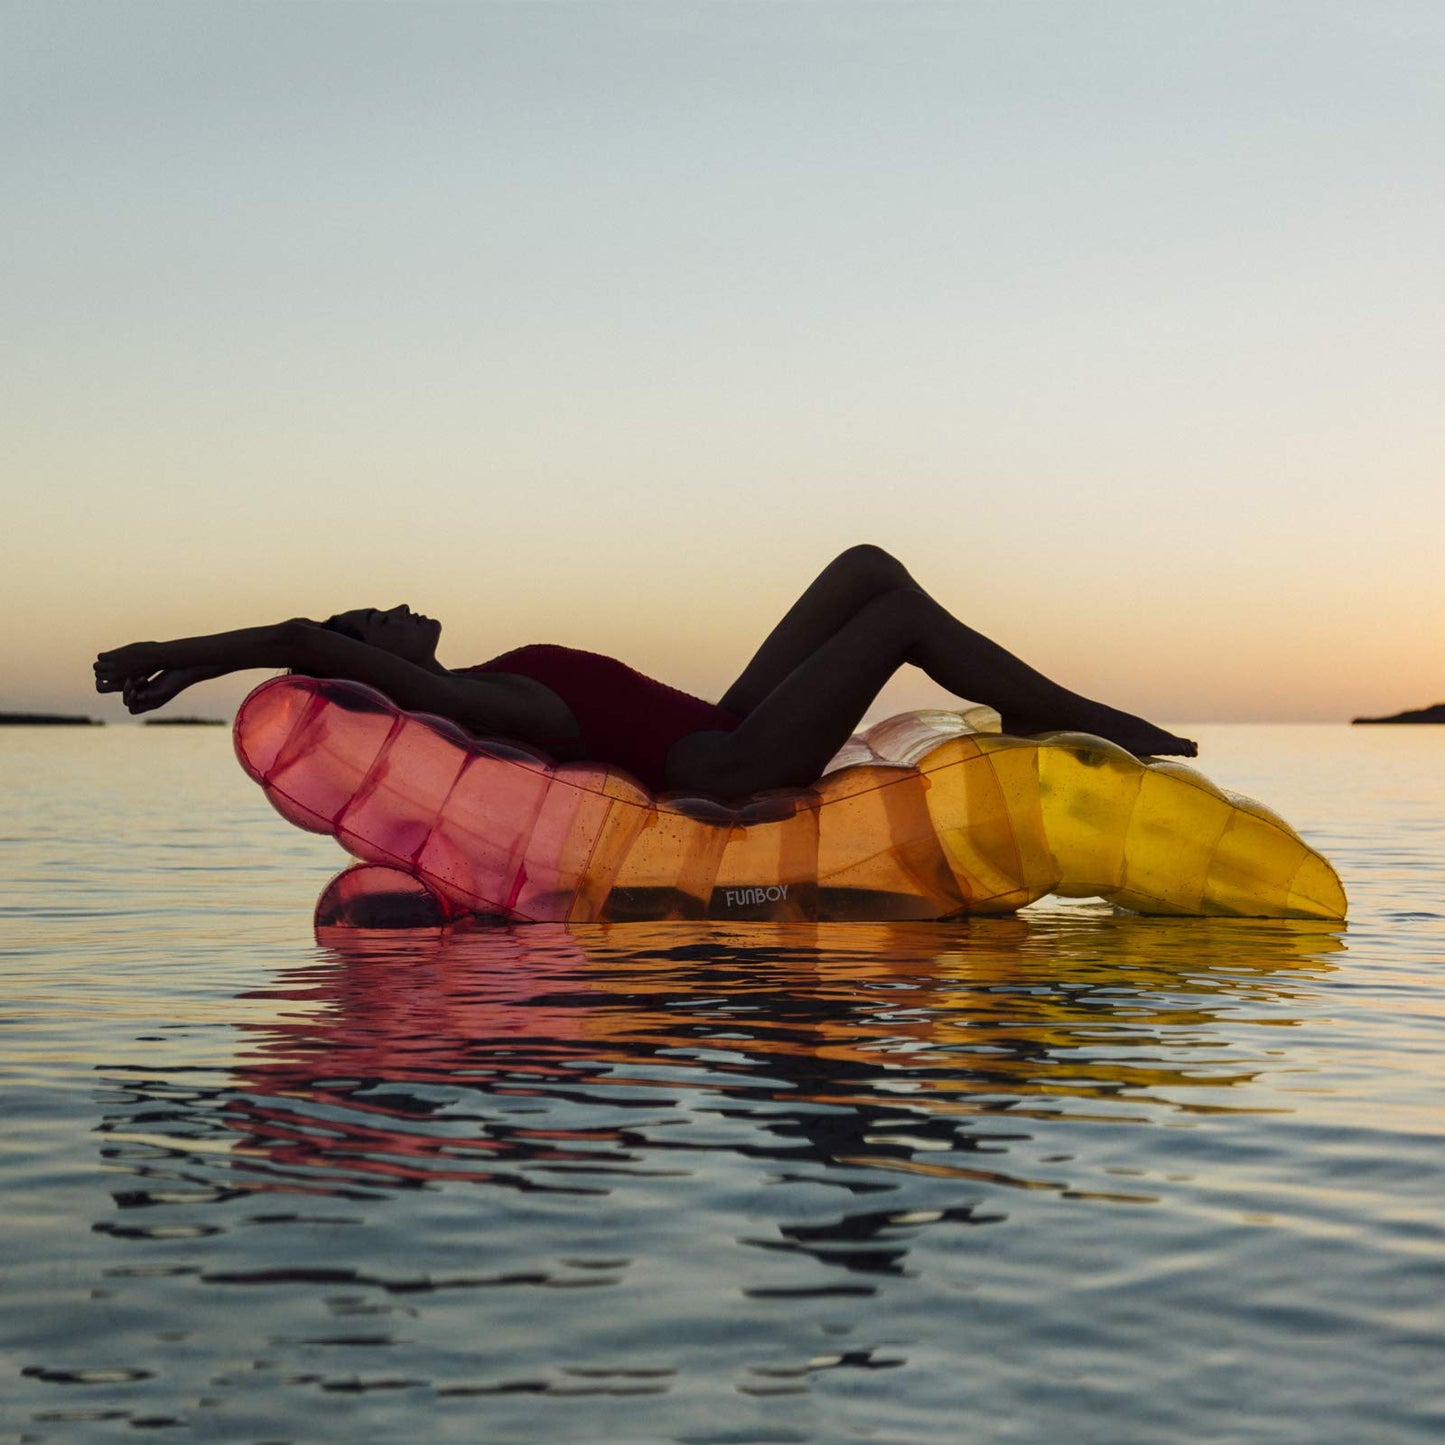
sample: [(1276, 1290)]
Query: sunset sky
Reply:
[(1121, 323)]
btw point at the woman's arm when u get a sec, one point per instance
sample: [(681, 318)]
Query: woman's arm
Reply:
[(147, 694), (147, 674), (213, 656)]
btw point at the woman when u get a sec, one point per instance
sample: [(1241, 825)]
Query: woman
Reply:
[(778, 725)]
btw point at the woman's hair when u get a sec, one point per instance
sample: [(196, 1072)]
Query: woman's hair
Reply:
[(338, 623), (335, 623), (340, 697)]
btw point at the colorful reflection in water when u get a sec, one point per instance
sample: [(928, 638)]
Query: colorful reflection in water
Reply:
[(406, 1059)]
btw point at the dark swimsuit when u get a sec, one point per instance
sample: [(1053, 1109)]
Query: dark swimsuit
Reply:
[(627, 720)]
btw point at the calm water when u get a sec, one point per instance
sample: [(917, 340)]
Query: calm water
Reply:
[(1065, 1175)]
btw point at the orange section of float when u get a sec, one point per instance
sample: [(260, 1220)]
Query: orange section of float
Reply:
[(921, 817)]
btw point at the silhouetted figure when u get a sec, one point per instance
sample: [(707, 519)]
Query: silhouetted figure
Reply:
[(796, 703)]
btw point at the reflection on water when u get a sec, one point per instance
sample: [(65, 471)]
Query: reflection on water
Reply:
[(692, 1171), (547, 1060)]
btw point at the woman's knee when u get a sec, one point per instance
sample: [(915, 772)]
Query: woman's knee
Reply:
[(899, 613), (872, 566)]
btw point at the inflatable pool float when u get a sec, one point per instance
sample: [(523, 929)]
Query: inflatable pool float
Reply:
[(919, 817)]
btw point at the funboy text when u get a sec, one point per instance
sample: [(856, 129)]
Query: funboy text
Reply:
[(742, 897)]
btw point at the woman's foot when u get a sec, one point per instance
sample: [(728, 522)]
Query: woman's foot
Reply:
[(1133, 734)]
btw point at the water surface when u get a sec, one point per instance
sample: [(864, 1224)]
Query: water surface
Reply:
[(1068, 1174)]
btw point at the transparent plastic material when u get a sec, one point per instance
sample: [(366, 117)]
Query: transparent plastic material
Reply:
[(920, 817)]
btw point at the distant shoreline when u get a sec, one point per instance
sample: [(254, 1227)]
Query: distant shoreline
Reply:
[(1432, 714), (1435, 713), (49, 720), (77, 720)]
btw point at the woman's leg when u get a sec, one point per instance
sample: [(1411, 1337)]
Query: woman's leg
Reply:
[(788, 738), (849, 582)]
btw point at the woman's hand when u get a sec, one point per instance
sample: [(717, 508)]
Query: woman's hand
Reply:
[(147, 694), (131, 664), (149, 674), (140, 673)]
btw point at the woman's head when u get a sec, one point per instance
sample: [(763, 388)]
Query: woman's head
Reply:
[(397, 630)]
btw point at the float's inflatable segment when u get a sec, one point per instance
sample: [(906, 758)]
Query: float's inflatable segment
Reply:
[(919, 817)]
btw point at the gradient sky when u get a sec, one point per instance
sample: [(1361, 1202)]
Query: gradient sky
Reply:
[(609, 324)]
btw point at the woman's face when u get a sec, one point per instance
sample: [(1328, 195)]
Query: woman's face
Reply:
[(397, 630)]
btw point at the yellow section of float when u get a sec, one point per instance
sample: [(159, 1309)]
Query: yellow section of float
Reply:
[(978, 822)]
